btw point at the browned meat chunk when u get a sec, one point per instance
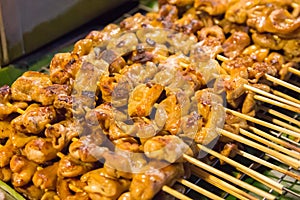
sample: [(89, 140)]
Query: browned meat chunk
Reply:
[(40, 150), (34, 120), (22, 169), (146, 185), (142, 99), (235, 44), (46, 178)]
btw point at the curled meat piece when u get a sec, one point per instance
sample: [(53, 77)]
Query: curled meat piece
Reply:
[(142, 99), (275, 59), (147, 185), (101, 115), (6, 153), (169, 148), (34, 120), (174, 113), (234, 88), (256, 52), (62, 133), (83, 47), (45, 178), (233, 124), (228, 151), (273, 20), (30, 191), (87, 148), (268, 40), (63, 68), (23, 170), (5, 174), (71, 189), (35, 86), (212, 7), (249, 104), (114, 173), (167, 14), (238, 66), (210, 107), (235, 44), (292, 50), (19, 140), (71, 167), (214, 32), (125, 196), (259, 69), (189, 22), (40, 150), (102, 187), (103, 36)]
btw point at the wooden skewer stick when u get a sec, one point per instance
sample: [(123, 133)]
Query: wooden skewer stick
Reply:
[(268, 143), (227, 177), (294, 71), (285, 159), (274, 139), (267, 164), (222, 58), (19, 110), (263, 123), (219, 183), (278, 93), (199, 189), (272, 96), (280, 115), (277, 103), (282, 83), (294, 141), (255, 175), (175, 193), (282, 124)]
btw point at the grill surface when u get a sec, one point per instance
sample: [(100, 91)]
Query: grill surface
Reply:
[(33, 62)]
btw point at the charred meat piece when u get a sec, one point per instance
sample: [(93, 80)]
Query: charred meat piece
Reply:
[(235, 44), (147, 185), (142, 99), (40, 150), (34, 120), (45, 178), (23, 170), (169, 148), (63, 68), (100, 186)]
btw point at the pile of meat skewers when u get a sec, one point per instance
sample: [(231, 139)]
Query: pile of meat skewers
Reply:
[(114, 116)]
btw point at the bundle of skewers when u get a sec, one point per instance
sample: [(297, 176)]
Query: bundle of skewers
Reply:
[(136, 108)]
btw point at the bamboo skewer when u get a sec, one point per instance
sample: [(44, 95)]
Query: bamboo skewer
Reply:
[(267, 164), (274, 139), (199, 189), (236, 192), (277, 103), (19, 110), (255, 175), (285, 159), (175, 193), (263, 123), (280, 94), (280, 115), (294, 71), (227, 177), (271, 144), (272, 96), (282, 124), (282, 83), (287, 139)]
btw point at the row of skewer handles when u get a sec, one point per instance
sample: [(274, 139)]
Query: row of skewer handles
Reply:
[(274, 145)]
